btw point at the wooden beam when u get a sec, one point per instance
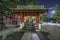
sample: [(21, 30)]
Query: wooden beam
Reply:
[(41, 11)]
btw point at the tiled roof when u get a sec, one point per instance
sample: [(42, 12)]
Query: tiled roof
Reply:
[(29, 7)]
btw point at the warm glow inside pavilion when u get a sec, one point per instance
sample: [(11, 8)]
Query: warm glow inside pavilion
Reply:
[(29, 12)]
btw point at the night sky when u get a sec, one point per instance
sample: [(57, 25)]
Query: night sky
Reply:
[(48, 3)]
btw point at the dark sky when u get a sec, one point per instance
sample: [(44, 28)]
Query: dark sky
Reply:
[(48, 3)]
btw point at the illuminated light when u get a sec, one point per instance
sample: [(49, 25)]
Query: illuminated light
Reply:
[(33, 17), (53, 12), (24, 20), (28, 17), (19, 17)]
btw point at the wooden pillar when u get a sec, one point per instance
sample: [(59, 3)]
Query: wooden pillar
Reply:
[(22, 17), (37, 18)]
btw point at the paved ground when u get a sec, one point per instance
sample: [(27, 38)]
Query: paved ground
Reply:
[(26, 36), (30, 36), (40, 35), (53, 30), (11, 30)]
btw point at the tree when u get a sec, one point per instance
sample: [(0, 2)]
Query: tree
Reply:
[(31, 2), (57, 15), (44, 17), (3, 8), (25, 2)]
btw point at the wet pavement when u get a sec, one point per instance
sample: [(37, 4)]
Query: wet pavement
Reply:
[(30, 36), (27, 35), (6, 32), (53, 30)]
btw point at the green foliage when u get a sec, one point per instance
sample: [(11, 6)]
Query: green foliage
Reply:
[(2, 14), (31, 2), (57, 14), (44, 17), (24, 2)]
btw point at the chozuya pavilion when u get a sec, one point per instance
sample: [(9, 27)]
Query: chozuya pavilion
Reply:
[(29, 12)]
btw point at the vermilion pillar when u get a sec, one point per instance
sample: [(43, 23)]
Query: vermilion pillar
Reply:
[(38, 18), (22, 18)]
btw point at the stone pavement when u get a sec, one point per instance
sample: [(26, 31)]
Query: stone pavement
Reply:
[(35, 36), (41, 36), (30, 36), (4, 33)]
